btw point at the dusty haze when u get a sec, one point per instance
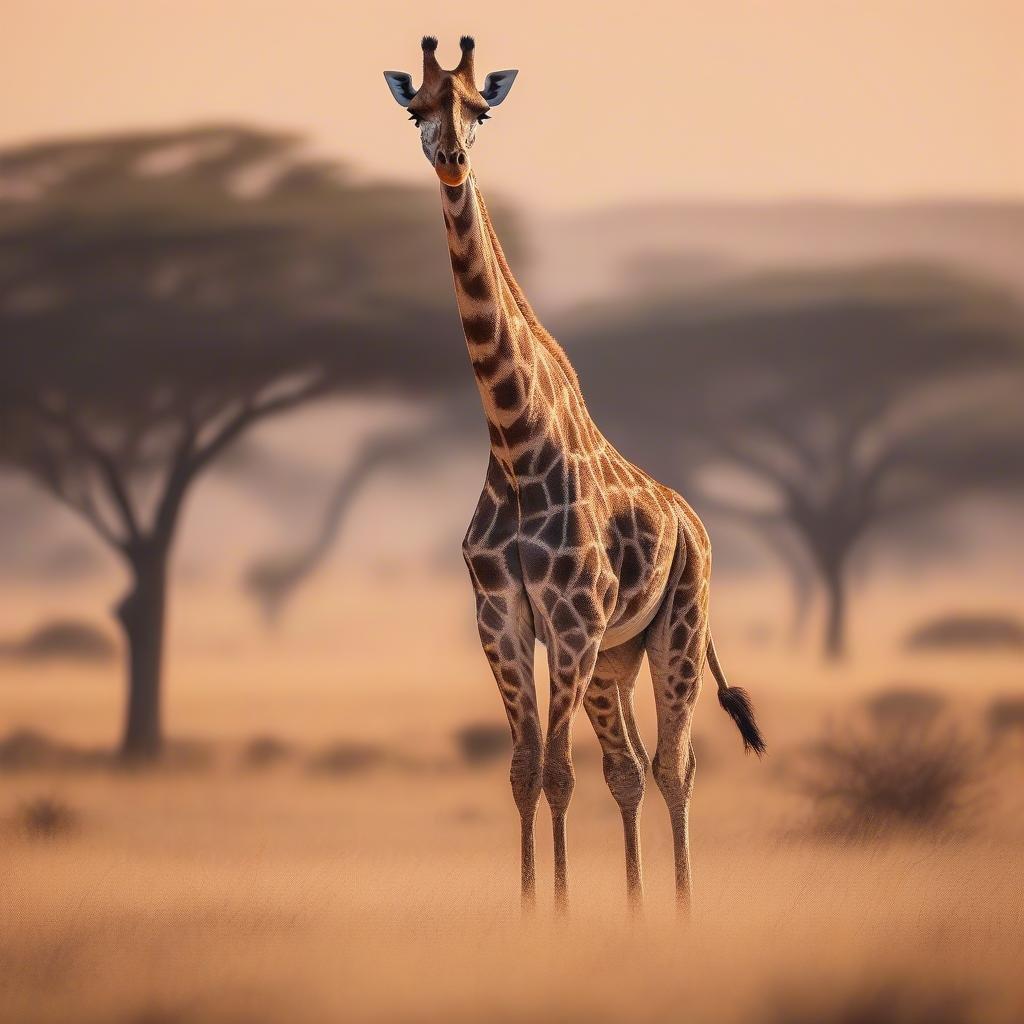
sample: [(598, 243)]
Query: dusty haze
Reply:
[(761, 230), (727, 99)]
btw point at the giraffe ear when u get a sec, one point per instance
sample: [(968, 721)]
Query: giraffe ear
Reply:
[(497, 85), (400, 85)]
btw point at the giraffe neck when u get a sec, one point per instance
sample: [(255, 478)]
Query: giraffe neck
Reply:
[(527, 385)]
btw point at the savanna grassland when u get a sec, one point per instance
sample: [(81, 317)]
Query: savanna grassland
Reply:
[(321, 846)]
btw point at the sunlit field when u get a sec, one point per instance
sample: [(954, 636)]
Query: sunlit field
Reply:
[(322, 846), (254, 767)]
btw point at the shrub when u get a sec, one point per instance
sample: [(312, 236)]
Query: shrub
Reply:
[(184, 755), (26, 749), (864, 783), (347, 758), (62, 639), (265, 752), (483, 742), (45, 817), (887, 1002), (1005, 716), (905, 707), (968, 632)]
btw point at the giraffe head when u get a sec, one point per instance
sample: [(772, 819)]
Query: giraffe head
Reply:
[(448, 107)]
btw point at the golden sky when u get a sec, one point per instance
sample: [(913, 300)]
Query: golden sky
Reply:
[(614, 102)]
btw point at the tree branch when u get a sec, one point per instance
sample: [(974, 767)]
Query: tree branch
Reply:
[(79, 436), (189, 461), (249, 414), (46, 473)]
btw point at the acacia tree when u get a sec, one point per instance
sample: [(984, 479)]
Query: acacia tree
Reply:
[(840, 403), (161, 293)]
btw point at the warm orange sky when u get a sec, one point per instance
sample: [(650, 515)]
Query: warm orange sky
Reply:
[(763, 98)]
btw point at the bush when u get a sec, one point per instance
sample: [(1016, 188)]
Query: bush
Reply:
[(348, 758), (184, 755), (905, 707), (45, 817), (265, 752), (481, 743), (26, 749), (62, 639), (1005, 716), (968, 632), (866, 783), (888, 1002)]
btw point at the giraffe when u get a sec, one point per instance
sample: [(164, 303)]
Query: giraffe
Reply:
[(570, 544)]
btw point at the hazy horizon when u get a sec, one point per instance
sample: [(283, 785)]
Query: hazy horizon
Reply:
[(837, 101)]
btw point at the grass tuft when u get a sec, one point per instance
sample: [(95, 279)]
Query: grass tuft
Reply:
[(46, 817)]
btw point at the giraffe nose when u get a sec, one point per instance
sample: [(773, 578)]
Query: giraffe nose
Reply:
[(451, 167), (455, 157)]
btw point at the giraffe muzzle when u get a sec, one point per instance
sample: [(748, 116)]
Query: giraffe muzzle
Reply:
[(452, 167)]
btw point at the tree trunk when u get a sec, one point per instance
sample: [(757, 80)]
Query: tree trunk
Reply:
[(141, 613), (835, 613)]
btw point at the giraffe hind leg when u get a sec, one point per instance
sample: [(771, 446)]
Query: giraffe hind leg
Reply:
[(676, 645), (609, 707)]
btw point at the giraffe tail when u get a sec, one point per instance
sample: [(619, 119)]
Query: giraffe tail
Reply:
[(737, 704)]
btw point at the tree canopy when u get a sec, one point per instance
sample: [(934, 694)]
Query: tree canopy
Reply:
[(160, 292), (838, 401)]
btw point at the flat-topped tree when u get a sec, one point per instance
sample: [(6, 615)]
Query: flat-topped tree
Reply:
[(160, 293), (844, 403), (868, 397)]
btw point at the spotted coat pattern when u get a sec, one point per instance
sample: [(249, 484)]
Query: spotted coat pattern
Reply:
[(575, 546)]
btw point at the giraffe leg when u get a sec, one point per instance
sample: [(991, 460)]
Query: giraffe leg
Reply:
[(608, 697), (505, 624), (570, 672), (632, 730), (676, 644), (508, 642)]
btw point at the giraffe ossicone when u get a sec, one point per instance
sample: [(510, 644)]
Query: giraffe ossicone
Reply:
[(570, 544)]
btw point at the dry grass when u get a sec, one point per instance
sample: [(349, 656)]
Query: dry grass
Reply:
[(232, 896), (221, 896)]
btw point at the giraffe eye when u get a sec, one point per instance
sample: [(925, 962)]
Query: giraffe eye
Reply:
[(482, 118), (415, 120)]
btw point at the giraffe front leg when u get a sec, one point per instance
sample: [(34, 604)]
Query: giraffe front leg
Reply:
[(505, 624), (570, 670), (608, 702)]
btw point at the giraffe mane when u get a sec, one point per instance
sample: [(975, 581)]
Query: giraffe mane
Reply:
[(539, 331)]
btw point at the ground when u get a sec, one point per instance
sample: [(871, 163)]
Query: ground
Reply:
[(386, 888)]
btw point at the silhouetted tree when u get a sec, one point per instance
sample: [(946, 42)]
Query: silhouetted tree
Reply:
[(839, 402), (160, 293)]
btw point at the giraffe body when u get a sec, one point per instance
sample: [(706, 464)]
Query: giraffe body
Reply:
[(570, 544)]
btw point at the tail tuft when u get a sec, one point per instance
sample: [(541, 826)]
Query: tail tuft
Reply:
[(737, 704)]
